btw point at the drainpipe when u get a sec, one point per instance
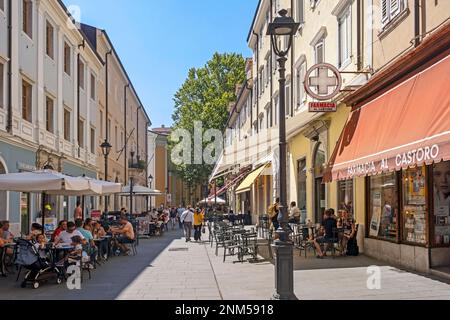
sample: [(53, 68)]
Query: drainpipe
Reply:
[(126, 132), (9, 119), (272, 117), (359, 15), (137, 133), (417, 39), (291, 107), (82, 45), (257, 80)]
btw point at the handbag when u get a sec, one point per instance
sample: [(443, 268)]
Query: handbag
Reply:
[(203, 230)]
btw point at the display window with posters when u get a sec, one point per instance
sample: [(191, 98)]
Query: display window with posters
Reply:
[(383, 207), (441, 201), (415, 209)]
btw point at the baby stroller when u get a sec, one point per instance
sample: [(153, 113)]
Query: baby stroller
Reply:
[(39, 269)]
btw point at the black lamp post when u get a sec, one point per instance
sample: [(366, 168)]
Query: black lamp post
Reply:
[(150, 181), (283, 27), (106, 150)]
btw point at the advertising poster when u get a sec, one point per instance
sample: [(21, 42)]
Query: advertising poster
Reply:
[(375, 222)]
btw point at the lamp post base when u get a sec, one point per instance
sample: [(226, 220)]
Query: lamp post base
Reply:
[(284, 271)]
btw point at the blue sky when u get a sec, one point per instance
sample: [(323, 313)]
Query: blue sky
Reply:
[(159, 41)]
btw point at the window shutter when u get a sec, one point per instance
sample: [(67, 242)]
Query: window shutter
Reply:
[(302, 77), (384, 11), (394, 8)]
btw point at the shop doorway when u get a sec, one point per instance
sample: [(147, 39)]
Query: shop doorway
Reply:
[(301, 188), (319, 162), (320, 200)]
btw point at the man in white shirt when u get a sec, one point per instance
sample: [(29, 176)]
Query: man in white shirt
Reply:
[(65, 237), (187, 218)]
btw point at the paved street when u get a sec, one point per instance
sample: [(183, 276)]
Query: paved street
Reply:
[(168, 268)]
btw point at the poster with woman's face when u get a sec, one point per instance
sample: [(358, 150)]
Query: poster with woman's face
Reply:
[(441, 178)]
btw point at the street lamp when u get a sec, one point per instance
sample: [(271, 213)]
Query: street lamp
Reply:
[(106, 149), (283, 27)]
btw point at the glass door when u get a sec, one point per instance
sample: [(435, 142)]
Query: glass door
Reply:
[(320, 206)]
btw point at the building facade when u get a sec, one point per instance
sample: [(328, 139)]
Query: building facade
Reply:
[(122, 121), (46, 110), (52, 108), (369, 42), (165, 178)]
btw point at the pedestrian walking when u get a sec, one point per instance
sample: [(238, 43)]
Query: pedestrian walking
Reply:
[(198, 224), (180, 211), (187, 218), (173, 217)]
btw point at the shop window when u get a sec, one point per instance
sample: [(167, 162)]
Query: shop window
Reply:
[(383, 207), (66, 208), (345, 196), (414, 205), (441, 196)]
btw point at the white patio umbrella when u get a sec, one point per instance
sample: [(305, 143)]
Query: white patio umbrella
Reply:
[(101, 188), (212, 201), (141, 191), (44, 182)]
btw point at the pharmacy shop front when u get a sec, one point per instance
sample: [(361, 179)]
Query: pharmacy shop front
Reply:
[(399, 142)]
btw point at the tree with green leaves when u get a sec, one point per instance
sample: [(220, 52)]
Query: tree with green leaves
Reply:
[(204, 97)]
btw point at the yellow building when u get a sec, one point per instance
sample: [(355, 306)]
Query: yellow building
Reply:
[(163, 173), (376, 45)]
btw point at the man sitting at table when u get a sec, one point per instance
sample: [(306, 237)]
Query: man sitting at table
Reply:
[(3, 242), (65, 237), (125, 234), (86, 233), (329, 225)]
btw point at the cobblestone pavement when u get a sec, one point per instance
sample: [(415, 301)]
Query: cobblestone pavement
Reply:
[(168, 268)]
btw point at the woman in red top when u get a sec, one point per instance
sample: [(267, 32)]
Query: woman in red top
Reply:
[(61, 227)]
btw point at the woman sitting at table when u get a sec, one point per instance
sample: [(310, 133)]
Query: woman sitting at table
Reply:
[(349, 233), (62, 226), (99, 233), (36, 229), (3, 242)]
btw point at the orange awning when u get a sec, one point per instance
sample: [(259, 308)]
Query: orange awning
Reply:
[(407, 126)]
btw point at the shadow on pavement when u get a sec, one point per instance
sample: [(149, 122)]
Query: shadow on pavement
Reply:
[(107, 282)]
